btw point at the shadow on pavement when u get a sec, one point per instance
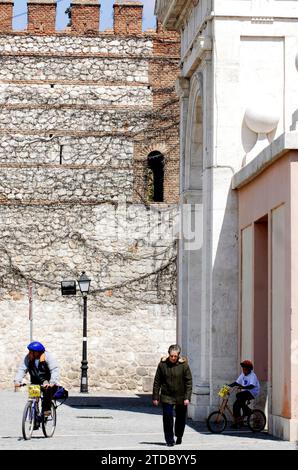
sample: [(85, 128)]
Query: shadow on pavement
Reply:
[(242, 432), (141, 403), (163, 444)]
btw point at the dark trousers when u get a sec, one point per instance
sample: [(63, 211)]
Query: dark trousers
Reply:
[(48, 394), (239, 404), (168, 421)]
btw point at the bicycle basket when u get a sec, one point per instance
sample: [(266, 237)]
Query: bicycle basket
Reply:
[(224, 391), (34, 391)]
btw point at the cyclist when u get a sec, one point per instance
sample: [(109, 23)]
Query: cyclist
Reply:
[(250, 388), (43, 370)]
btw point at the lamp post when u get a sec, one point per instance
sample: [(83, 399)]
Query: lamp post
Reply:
[(84, 284), (69, 288)]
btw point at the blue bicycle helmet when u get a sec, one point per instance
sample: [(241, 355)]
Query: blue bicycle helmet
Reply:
[(36, 346)]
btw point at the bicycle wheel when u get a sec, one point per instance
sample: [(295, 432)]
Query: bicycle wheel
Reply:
[(49, 422), (256, 421), (216, 422), (28, 421)]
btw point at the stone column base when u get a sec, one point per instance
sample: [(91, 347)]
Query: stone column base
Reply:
[(284, 428), (200, 403)]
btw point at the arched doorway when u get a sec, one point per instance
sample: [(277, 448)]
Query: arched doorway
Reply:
[(193, 322)]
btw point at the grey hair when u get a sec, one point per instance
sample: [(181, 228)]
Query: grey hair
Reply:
[(174, 347)]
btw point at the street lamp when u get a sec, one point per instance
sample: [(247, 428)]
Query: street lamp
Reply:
[(69, 288), (84, 285)]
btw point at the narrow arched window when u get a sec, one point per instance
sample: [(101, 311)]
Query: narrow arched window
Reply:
[(155, 177)]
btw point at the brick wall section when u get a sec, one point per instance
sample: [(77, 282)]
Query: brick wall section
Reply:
[(85, 16), (163, 125), (41, 16), (128, 18), (163, 74), (6, 8), (163, 128)]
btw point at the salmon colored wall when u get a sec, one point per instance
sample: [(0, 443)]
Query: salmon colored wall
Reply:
[(267, 191), (294, 283), (257, 199)]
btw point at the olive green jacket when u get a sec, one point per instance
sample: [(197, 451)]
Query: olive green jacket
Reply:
[(172, 381)]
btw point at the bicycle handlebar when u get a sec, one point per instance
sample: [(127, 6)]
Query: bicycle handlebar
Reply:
[(25, 385)]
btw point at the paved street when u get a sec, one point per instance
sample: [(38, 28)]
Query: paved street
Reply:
[(116, 422)]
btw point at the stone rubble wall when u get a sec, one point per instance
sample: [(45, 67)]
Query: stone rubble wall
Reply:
[(89, 150), (131, 311), (73, 69), (79, 115), (65, 44), (42, 95), (52, 184), (71, 119)]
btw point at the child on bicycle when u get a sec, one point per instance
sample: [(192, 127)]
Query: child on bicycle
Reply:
[(250, 388)]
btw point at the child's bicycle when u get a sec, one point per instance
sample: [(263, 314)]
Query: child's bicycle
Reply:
[(217, 421), (34, 417)]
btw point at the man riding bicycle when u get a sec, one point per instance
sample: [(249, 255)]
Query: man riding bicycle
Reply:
[(43, 370), (250, 388)]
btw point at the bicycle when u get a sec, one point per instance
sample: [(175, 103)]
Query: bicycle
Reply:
[(34, 417), (217, 421)]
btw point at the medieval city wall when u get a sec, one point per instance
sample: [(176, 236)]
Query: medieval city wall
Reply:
[(80, 111)]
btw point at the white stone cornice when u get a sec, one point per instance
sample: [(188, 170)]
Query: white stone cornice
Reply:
[(274, 151), (203, 389), (195, 54), (191, 196), (182, 86), (262, 20), (172, 12)]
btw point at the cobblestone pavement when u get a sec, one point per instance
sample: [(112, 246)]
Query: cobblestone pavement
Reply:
[(117, 422)]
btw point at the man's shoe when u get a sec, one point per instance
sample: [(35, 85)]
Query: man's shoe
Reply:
[(170, 444), (179, 440)]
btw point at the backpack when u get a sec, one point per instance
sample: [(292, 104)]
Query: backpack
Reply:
[(61, 393)]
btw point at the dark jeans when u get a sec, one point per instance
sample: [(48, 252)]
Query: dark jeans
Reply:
[(239, 404), (168, 421), (48, 394)]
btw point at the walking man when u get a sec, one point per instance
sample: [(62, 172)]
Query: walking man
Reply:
[(173, 387)]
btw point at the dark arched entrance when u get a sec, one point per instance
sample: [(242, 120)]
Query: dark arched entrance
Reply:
[(155, 167)]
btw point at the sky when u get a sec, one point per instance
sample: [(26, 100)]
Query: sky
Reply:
[(20, 16)]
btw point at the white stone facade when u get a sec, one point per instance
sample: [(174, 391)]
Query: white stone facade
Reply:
[(238, 92)]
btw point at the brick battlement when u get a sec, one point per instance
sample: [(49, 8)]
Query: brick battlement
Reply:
[(84, 16)]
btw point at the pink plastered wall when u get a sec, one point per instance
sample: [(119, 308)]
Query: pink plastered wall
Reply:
[(294, 283), (277, 185)]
